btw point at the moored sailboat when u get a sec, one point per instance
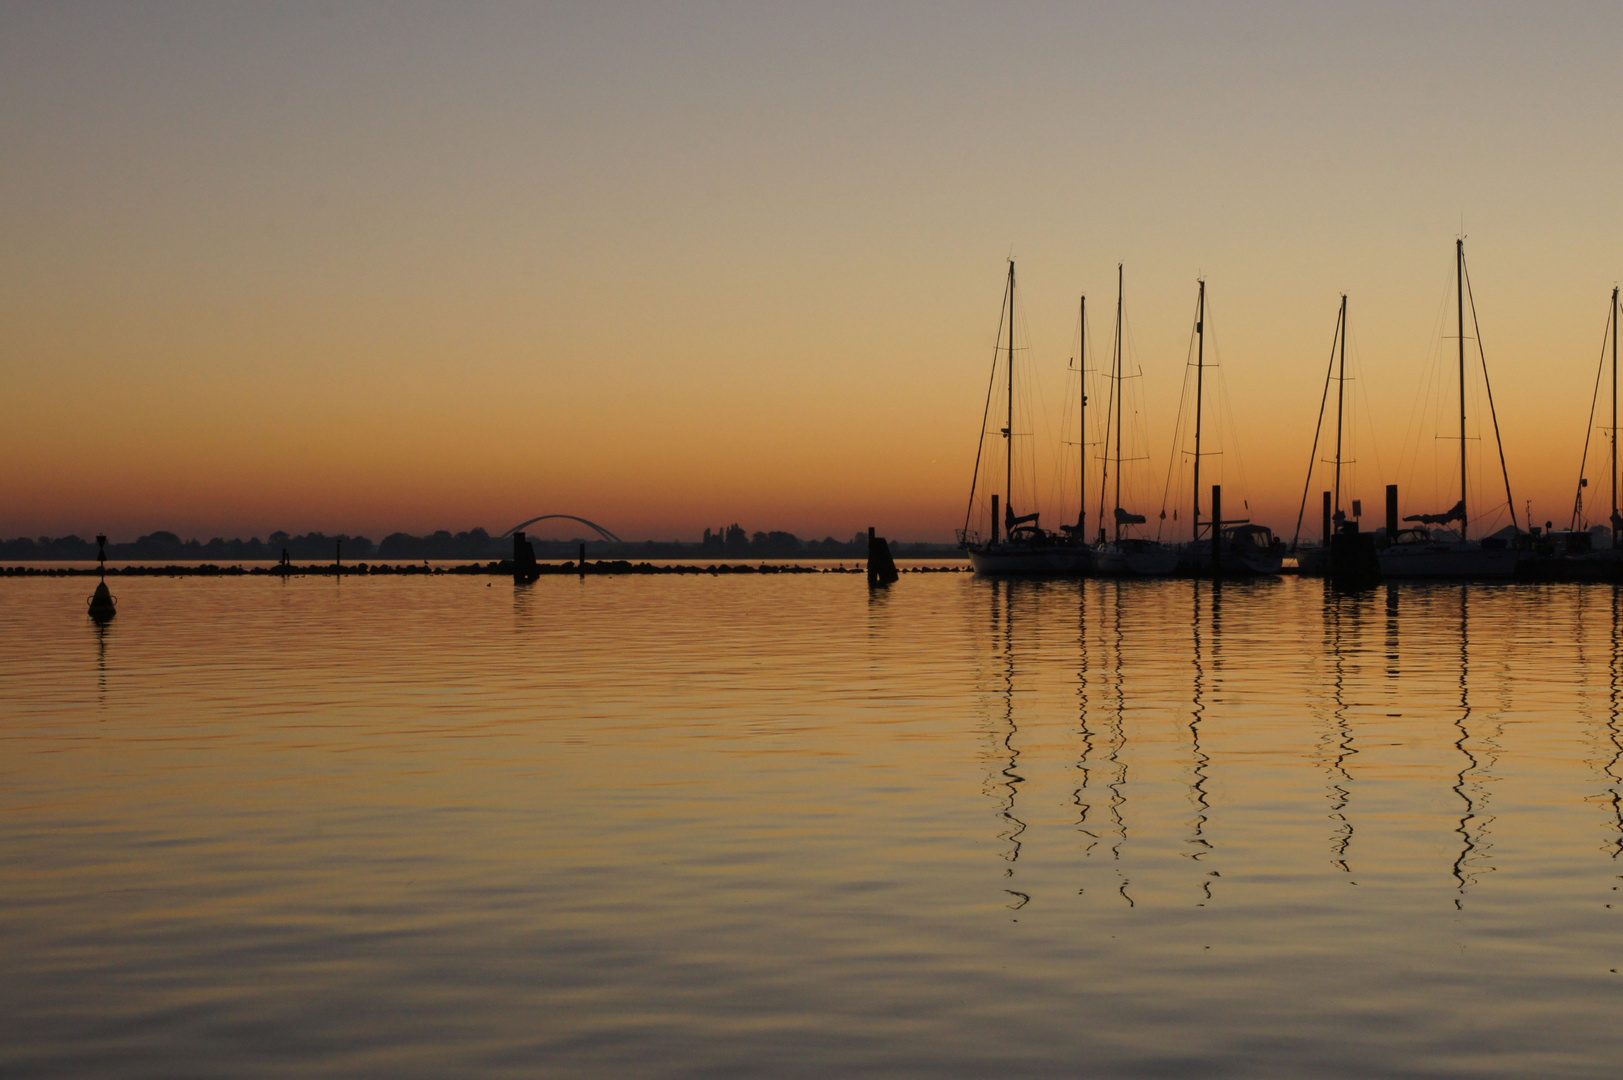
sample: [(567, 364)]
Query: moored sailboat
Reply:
[(1246, 548), (1415, 552), (1024, 548), (1572, 555), (1124, 554)]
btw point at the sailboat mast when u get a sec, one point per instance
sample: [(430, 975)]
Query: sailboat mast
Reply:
[(1117, 368), (1459, 289), (1082, 422), (1008, 431), (1200, 391), (1613, 522), (1341, 392)]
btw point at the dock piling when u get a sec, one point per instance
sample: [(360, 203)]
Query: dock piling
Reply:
[(881, 567)]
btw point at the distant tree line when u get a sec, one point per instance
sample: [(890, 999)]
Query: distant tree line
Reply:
[(736, 541), (732, 542)]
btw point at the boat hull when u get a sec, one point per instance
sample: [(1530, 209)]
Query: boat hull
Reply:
[(1197, 559), (1603, 565), (1135, 562), (1030, 560), (1456, 561)]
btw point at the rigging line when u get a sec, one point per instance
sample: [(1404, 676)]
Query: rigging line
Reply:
[(1360, 393), (1488, 386), (1111, 403), (986, 414), (1177, 454), (1423, 402), (1589, 428), (1307, 484)]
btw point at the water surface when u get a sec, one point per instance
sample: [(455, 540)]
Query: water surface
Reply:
[(780, 826)]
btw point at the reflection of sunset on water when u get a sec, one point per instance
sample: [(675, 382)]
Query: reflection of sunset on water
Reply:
[(684, 812)]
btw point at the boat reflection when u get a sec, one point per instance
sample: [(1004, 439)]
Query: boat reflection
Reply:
[(1199, 759), (1117, 715), (1341, 626), (1478, 755), (1613, 770)]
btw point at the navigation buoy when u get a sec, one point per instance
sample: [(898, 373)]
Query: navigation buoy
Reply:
[(103, 604)]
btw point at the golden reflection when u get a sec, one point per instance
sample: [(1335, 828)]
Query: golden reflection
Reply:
[(1338, 741), (1199, 759), (1118, 730), (1080, 796), (1614, 706), (1470, 781)]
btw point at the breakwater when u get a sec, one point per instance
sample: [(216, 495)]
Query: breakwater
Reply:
[(497, 569)]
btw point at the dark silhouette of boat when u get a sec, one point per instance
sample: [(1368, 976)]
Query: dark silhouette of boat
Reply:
[(1023, 548)]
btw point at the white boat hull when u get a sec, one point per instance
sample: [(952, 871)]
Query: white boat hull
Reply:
[(1448, 560), (1030, 560)]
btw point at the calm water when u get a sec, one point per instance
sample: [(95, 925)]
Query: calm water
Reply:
[(777, 827)]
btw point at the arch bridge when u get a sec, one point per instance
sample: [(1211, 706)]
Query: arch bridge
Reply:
[(594, 526)]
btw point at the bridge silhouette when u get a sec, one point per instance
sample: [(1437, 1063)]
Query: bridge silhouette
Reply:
[(594, 526)]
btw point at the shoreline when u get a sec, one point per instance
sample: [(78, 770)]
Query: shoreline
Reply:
[(491, 569)]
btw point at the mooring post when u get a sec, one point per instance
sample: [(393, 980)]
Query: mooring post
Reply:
[(1217, 530), (1326, 519), (582, 563), (524, 568), (338, 556), (1391, 513), (994, 519), (881, 567)]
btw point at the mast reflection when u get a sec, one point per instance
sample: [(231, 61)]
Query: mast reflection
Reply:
[(1080, 796), (1013, 826), (1338, 603), (1473, 826), (1614, 731), (1198, 757), (1118, 734)]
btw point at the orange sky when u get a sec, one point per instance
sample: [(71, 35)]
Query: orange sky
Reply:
[(367, 268)]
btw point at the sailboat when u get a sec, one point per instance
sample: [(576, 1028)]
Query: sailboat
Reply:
[(1247, 548), (1024, 549), (1572, 555), (1124, 554), (1413, 553), (1343, 553)]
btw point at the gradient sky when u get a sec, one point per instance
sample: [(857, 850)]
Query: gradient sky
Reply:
[(363, 268)]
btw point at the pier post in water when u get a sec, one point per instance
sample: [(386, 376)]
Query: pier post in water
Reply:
[(1327, 530), (524, 566), (881, 567), (994, 519), (581, 565), (1391, 513), (1217, 530)]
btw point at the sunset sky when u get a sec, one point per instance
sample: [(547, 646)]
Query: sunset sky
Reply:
[(367, 267)]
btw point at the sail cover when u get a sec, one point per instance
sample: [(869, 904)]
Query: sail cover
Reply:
[(1124, 518), (1010, 520), (1456, 514)]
